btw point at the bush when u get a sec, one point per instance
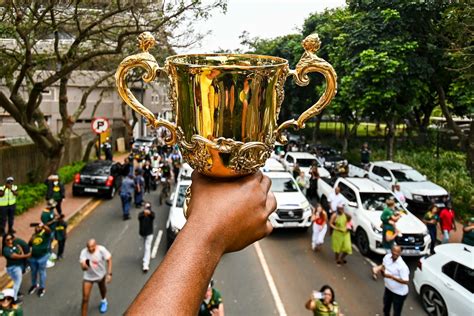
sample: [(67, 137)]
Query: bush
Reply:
[(66, 173), (30, 194)]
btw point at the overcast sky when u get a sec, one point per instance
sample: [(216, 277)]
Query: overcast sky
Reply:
[(261, 18)]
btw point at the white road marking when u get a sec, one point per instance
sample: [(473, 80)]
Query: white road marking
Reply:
[(271, 283), (156, 245), (373, 264)]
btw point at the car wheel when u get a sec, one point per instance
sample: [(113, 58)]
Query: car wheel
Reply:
[(362, 242), (432, 302)]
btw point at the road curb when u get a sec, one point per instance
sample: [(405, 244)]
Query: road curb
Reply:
[(74, 219)]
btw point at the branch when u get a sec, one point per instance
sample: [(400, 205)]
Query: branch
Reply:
[(85, 96)]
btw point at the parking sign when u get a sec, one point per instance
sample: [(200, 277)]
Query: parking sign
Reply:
[(100, 125)]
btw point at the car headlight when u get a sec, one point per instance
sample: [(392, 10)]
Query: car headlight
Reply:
[(417, 197), (308, 208), (376, 229)]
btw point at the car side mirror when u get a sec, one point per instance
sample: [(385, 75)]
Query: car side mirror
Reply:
[(387, 178), (169, 202), (352, 204)]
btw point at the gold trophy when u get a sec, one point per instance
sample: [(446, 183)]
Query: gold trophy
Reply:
[(226, 106)]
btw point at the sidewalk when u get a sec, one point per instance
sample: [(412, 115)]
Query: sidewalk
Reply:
[(70, 206)]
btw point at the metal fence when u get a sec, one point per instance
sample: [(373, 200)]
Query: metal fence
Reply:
[(24, 161)]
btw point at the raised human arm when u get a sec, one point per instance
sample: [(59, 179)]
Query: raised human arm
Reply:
[(310, 304), (220, 220)]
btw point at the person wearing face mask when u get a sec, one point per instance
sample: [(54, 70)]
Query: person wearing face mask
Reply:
[(55, 191)]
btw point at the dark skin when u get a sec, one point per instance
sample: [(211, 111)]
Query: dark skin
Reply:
[(9, 186), (9, 243), (396, 252), (220, 221)]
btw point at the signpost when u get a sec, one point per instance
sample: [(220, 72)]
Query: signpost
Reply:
[(100, 125)]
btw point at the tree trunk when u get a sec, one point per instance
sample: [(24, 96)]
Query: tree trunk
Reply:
[(345, 138), (390, 138), (317, 127), (470, 150), (87, 152)]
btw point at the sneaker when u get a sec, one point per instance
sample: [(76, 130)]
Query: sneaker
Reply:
[(32, 289), (41, 292), (103, 307), (145, 270)]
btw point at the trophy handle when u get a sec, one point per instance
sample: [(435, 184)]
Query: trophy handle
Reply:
[(146, 61), (309, 62)]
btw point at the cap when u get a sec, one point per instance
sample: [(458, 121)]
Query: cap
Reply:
[(10, 179), (7, 293), (51, 203)]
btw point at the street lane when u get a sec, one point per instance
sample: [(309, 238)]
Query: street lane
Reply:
[(64, 281), (297, 270)]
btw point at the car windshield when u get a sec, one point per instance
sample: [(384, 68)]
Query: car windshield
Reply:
[(305, 162), (409, 175), (374, 201), (96, 170), (334, 158), (181, 195), (283, 185)]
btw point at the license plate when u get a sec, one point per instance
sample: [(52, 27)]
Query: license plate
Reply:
[(92, 190), (411, 251), (291, 224)]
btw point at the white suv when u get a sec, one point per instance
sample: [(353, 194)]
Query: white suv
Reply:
[(445, 280), (293, 209), (176, 219), (304, 161)]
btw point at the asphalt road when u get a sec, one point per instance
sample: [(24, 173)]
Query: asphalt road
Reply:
[(240, 277)]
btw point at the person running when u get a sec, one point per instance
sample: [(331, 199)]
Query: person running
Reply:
[(96, 262), (40, 243), (15, 259), (396, 277), (431, 220), (341, 237), (323, 303), (212, 304), (8, 306), (446, 221), (146, 219), (320, 227)]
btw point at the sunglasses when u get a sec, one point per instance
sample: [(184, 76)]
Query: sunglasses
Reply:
[(7, 239)]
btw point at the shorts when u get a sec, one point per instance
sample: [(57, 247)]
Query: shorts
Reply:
[(95, 281)]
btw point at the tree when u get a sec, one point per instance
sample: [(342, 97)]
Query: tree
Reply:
[(52, 40)]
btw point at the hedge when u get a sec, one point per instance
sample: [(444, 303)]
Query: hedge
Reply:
[(30, 194)]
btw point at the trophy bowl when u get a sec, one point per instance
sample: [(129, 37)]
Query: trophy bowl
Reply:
[(226, 106)]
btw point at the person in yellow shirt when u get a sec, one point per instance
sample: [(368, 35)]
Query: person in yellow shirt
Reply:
[(8, 194)]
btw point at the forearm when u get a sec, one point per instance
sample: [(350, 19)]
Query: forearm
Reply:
[(187, 268), (109, 266)]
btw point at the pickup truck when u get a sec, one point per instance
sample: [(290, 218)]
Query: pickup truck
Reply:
[(365, 201), (419, 192), (304, 160)]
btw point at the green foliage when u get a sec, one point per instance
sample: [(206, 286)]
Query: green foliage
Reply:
[(66, 173), (30, 194)]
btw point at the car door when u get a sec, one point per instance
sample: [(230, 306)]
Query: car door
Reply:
[(351, 200), (456, 286), (289, 163), (462, 290), (382, 176)]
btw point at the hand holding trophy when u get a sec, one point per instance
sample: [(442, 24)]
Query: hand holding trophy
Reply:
[(226, 105)]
